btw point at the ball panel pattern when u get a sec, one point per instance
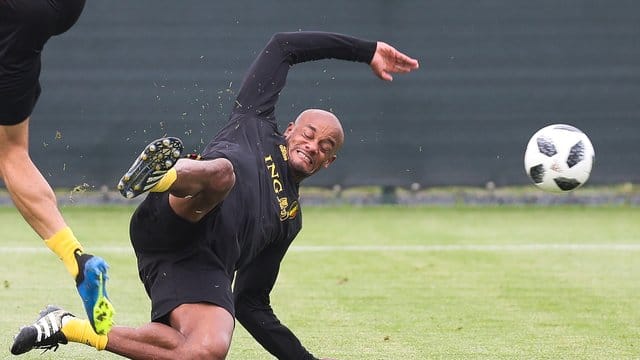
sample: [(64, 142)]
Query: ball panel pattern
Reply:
[(546, 146), (576, 154)]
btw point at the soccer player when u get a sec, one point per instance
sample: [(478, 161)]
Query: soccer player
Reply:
[(232, 210), (25, 27)]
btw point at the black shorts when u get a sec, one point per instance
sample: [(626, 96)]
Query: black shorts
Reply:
[(175, 263), (25, 26)]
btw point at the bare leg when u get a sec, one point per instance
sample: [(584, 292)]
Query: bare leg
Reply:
[(29, 190), (37, 203), (197, 331), (200, 186)]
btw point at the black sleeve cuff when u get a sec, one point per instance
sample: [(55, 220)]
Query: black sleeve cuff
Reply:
[(365, 50)]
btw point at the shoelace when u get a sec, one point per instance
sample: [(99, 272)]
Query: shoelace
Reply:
[(52, 347)]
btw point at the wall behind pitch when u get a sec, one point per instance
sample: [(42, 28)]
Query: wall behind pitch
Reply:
[(492, 72)]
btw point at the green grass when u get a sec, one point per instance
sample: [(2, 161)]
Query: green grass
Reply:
[(457, 282)]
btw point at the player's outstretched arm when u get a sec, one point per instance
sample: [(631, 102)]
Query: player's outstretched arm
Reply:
[(387, 60)]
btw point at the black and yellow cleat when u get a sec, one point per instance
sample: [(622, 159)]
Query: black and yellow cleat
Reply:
[(148, 169)]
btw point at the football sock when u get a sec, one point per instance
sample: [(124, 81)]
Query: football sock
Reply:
[(64, 244), (167, 180), (80, 331)]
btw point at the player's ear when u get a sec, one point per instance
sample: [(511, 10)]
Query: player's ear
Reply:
[(289, 129), (329, 161)]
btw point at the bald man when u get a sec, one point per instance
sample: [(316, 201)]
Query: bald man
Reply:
[(232, 210)]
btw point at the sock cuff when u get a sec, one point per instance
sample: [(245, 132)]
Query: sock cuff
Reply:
[(80, 331), (63, 242), (167, 180), (101, 342)]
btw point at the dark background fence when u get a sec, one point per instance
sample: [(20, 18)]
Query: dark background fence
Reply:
[(492, 73)]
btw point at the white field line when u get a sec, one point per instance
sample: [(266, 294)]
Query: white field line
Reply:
[(469, 247), (379, 248)]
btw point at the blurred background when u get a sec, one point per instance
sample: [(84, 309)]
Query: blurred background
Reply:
[(492, 73)]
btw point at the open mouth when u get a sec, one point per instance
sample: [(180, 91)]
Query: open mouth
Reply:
[(304, 156)]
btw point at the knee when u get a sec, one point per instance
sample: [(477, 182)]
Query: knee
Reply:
[(214, 347), (224, 177), (217, 348)]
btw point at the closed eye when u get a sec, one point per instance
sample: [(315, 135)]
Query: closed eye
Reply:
[(326, 146)]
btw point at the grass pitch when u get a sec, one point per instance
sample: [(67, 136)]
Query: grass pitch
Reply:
[(390, 282)]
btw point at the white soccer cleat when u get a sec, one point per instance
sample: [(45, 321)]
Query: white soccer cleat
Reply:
[(45, 333)]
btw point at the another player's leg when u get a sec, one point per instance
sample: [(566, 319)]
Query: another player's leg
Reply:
[(202, 331), (37, 203)]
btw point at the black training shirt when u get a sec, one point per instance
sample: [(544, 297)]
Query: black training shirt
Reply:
[(261, 216)]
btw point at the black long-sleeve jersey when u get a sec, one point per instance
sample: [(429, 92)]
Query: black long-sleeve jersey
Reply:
[(261, 216)]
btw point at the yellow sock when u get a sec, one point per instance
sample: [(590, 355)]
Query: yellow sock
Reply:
[(80, 331), (64, 244), (167, 180)]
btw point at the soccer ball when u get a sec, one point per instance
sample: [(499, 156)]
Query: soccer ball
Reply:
[(559, 158)]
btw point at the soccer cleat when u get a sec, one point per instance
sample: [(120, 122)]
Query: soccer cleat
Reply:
[(45, 333), (91, 281), (149, 168)]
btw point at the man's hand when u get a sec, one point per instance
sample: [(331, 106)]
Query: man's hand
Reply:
[(387, 60)]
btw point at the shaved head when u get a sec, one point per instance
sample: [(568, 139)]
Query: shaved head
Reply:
[(325, 118), (313, 140)]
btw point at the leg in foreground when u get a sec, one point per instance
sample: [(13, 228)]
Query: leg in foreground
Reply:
[(196, 331), (36, 201)]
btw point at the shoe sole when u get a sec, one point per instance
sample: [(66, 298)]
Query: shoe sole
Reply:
[(103, 311), (150, 166), (94, 296)]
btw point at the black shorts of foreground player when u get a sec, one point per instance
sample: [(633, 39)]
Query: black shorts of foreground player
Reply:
[(233, 210), (25, 28)]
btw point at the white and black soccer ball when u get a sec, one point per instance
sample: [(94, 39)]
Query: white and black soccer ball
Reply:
[(559, 158)]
